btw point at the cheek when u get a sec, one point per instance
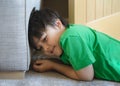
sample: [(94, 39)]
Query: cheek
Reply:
[(52, 41)]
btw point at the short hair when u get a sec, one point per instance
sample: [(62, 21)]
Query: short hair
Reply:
[(39, 19)]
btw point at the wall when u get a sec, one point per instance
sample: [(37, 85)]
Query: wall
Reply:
[(83, 11), (59, 5)]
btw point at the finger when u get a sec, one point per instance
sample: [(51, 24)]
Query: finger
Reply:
[(38, 62), (36, 67)]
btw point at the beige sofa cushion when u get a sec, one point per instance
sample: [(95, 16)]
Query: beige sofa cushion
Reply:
[(109, 25)]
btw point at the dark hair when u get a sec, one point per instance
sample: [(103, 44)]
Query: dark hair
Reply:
[(38, 21)]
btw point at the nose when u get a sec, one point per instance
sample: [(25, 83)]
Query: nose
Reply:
[(46, 47)]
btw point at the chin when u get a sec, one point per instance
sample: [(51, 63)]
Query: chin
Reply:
[(53, 56), (56, 55)]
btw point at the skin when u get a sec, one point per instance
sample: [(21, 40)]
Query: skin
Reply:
[(49, 44)]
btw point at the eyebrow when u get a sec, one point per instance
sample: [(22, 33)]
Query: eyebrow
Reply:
[(43, 36), (39, 39)]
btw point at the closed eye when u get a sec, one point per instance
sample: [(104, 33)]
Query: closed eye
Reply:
[(45, 39), (39, 49)]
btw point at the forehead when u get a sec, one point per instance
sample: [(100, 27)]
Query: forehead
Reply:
[(36, 39)]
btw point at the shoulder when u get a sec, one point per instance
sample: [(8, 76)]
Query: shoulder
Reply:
[(69, 32), (70, 35), (75, 30)]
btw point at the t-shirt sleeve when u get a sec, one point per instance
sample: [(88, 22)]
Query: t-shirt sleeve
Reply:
[(78, 52)]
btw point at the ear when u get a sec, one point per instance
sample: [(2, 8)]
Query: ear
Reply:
[(58, 23)]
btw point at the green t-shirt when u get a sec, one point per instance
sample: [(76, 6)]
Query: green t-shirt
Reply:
[(83, 46)]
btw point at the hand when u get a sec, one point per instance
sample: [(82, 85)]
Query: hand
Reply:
[(43, 65)]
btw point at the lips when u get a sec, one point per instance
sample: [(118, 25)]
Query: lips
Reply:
[(52, 49)]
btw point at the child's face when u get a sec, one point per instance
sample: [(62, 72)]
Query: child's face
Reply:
[(49, 41)]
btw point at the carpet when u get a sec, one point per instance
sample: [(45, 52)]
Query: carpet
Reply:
[(53, 79)]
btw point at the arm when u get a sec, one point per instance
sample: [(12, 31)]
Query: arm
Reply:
[(83, 74), (86, 73)]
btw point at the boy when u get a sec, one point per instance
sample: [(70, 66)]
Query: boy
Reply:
[(85, 52)]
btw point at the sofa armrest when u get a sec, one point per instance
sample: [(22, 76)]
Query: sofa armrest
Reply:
[(14, 47), (109, 25)]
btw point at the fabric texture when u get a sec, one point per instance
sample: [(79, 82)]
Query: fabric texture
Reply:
[(13, 48), (53, 79), (83, 46), (14, 20)]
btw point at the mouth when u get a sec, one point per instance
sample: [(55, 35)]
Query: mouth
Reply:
[(52, 51)]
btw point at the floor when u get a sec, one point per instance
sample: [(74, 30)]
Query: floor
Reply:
[(52, 79)]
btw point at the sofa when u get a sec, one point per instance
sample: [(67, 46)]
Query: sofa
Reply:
[(14, 47), (109, 25)]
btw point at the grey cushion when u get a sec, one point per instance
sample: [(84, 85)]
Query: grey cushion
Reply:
[(14, 48)]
